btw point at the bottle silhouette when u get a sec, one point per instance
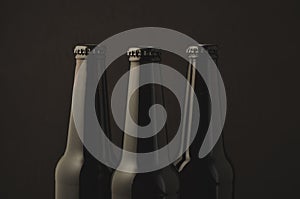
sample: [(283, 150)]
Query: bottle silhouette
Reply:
[(159, 184), (78, 174), (212, 176)]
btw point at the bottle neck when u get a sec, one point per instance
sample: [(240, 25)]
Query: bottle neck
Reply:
[(138, 109), (187, 112), (89, 69), (205, 104), (74, 144)]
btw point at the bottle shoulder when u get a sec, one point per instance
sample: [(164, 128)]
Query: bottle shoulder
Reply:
[(68, 168)]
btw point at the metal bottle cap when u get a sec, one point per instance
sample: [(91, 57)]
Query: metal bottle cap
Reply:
[(144, 54), (81, 51), (212, 49), (192, 51)]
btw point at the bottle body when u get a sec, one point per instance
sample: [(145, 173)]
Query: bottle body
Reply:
[(78, 174), (68, 169)]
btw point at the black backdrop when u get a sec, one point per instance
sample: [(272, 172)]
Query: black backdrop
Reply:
[(258, 62)]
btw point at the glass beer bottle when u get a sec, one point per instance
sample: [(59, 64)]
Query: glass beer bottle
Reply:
[(78, 174), (212, 176), (159, 184)]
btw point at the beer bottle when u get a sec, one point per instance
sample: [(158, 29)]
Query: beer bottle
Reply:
[(78, 174), (212, 176), (159, 184)]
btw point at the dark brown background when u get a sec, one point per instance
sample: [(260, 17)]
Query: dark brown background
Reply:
[(258, 60)]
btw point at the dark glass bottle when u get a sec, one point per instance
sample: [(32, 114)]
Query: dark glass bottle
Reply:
[(78, 174), (160, 184), (211, 177)]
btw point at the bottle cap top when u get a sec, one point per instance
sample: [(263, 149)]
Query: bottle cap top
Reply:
[(83, 50), (212, 49), (192, 51), (144, 53)]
